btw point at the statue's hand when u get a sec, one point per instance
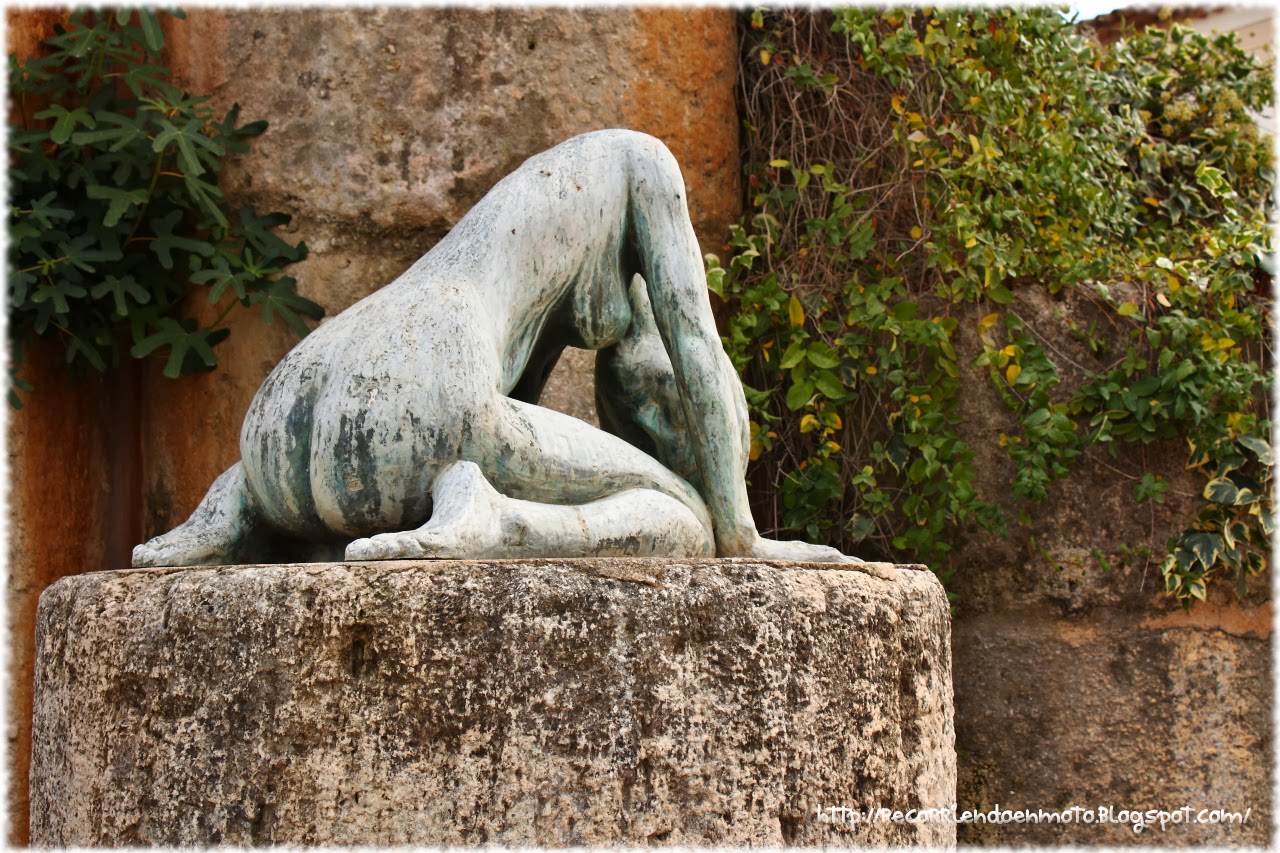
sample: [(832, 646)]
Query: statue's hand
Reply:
[(773, 549)]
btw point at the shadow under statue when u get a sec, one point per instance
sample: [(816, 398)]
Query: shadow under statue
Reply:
[(408, 426)]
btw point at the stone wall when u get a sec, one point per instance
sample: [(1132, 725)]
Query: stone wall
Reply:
[(1132, 708), (1078, 682), (386, 125)]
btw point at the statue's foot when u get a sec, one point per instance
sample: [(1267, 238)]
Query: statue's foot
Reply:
[(176, 550), (218, 527), (466, 522), (772, 549)]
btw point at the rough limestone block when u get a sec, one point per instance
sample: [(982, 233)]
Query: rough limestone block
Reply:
[(549, 702)]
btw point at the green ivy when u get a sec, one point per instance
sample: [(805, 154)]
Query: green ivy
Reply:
[(114, 210), (908, 169)]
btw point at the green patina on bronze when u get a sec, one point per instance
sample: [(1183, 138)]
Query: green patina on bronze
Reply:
[(409, 423)]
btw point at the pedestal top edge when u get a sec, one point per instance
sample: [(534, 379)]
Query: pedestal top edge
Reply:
[(599, 565)]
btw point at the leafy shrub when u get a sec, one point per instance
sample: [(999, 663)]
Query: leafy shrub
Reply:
[(114, 210), (910, 170)]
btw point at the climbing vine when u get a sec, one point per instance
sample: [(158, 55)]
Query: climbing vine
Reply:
[(115, 215), (919, 178)]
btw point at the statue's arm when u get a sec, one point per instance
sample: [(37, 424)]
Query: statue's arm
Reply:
[(716, 421), (715, 408), (715, 413), (709, 389)]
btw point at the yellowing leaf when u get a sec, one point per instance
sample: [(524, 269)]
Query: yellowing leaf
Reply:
[(834, 422), (832, 447), (1010, 351), (897, 101), (872, 371), (974, 100), (971, 242), (795, 311), (986, 323), (1011, 373), (1127, 309), (808, 423), (1163, 300), (975, 144), (1225, 343), (779, 164), (916, 233), (755, 450), (915, 120), (765, 56), (1154, 202)]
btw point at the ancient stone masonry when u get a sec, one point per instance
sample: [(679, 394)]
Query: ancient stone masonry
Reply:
[(553, 702)]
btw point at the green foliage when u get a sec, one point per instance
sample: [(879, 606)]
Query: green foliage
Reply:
[(1233, 532), (912, 170), (114, 211)]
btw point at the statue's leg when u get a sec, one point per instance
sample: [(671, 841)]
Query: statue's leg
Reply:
[(215, 532), (548, 485), (471, 520)]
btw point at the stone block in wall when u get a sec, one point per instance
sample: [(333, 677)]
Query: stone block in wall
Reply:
[(1113, 711), (395, 121), (551, 703)]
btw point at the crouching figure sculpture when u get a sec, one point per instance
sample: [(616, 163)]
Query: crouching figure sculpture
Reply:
[(408, 425)]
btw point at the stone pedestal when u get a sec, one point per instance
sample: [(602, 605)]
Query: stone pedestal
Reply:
[(555, 702)]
